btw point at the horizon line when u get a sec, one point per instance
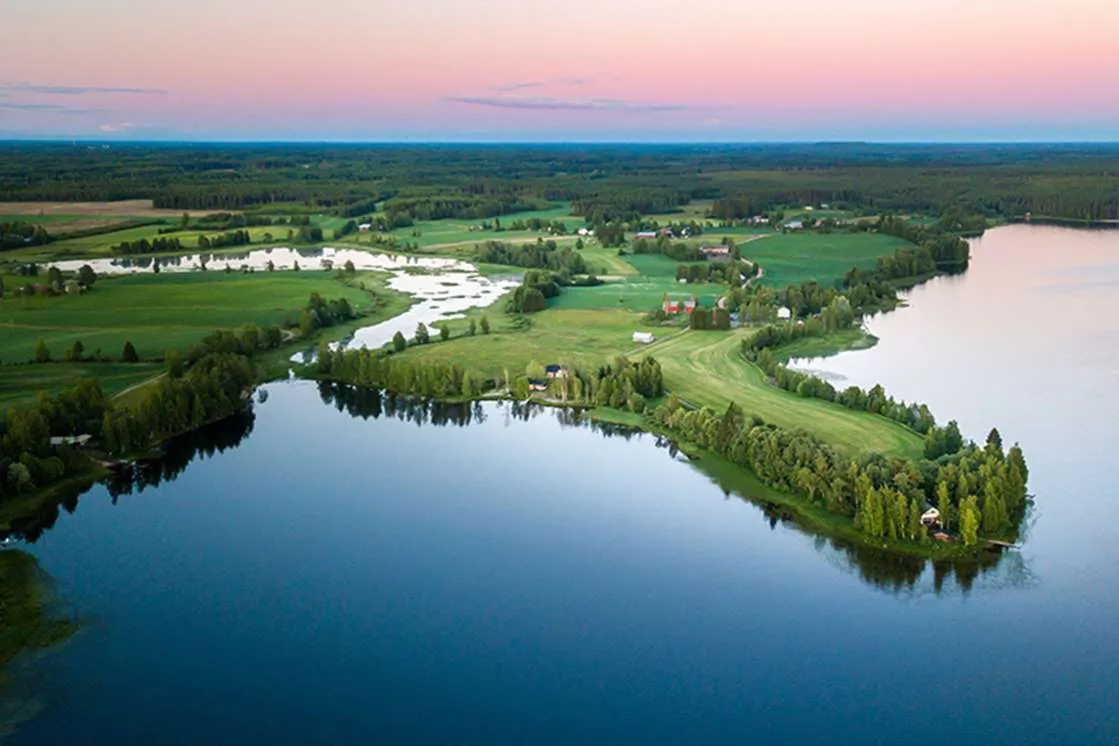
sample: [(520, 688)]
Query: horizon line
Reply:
[(60, 139)]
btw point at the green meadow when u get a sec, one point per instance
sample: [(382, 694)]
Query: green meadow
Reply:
[(22, 383), (793, 258), (157, 312), (707, 369)]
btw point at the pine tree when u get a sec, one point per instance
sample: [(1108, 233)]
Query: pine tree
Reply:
[(969, 520), (128, 354), (42, 354), (485, 323), (399, 343), (944, 504)]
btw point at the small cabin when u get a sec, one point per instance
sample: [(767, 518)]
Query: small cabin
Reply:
[(784, 313), (536, 385), (643, 337), (71, 440), (553, 371), (931, 518)]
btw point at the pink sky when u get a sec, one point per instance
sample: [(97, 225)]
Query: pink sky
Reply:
[(583, 69)]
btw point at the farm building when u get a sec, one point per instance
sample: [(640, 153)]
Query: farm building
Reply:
[(554, 371), (794, 225), (646, 234), (365, 226), (784, 313), (643, 337), (716, 253)]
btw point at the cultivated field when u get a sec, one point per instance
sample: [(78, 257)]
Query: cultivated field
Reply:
[(134, 208), (158, 312), (793, 258)]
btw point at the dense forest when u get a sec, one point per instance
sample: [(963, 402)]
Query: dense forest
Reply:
[(604, 183)]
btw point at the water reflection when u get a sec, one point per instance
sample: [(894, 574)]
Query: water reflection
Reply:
[(888, 571), (29, 622), (29, 521)]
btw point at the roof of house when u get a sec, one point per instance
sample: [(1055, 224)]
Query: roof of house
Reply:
[(554, 367)]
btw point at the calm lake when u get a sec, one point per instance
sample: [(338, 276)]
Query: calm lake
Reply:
[(339, 568)]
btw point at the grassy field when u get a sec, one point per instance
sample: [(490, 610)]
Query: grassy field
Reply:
[(603, 261), (21, 383), (157, 312), (793, 258), (638, 294), (571, 337), (707, 369), (455, 233)]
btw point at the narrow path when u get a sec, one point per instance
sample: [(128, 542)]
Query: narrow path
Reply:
[(135, 386)]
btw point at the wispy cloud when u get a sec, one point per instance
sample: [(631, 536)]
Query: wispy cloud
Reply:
[(549, 103), (519, 86), (28, 106), (75, 90), (117, 127), (530, 84)]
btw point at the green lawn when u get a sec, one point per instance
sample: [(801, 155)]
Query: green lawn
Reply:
[(20, 383), (157, 312), (707, 369), (793, 258)]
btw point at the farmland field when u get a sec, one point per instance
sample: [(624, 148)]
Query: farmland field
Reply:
[(793, 258), (641, 294), (157, 312)]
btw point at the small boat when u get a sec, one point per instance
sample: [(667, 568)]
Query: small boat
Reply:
[(8, 542)]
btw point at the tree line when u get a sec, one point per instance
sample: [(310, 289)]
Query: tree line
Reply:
[(18, 235), (536, 255), (979, 491)]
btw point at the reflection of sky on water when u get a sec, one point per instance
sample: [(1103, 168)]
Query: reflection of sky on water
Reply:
[(443, 288)]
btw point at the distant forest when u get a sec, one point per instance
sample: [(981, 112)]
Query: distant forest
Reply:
[(604, 183)]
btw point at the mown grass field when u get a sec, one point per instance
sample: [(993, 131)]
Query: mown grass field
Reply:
[(157, 312), (21, 383), (570, 337), (793, 258), (707, 369), (639, 294)]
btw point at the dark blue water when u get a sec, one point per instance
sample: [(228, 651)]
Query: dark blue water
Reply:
[(336, 579)]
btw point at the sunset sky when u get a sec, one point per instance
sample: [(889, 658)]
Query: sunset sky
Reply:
[(657, 70)]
